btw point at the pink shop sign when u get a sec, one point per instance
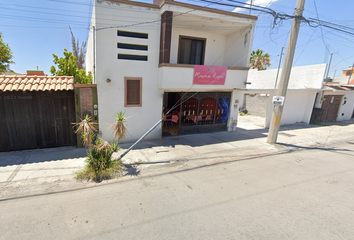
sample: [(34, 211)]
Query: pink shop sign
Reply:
[(209, 75)]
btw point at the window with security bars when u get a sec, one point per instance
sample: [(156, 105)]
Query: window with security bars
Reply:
[(133, 92)]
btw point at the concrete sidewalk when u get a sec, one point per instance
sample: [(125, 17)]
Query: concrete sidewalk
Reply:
[(200, 149)]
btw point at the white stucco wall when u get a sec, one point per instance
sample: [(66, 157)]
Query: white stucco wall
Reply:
[(111, 95), (346, 106), (238, 48), (181, 79), (304, 77), (236, 102), (297, 108)]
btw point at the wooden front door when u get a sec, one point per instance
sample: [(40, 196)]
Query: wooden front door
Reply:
[(36, 120), (330, 107)]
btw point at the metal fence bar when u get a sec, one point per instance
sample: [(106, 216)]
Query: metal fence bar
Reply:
[(142, 137)]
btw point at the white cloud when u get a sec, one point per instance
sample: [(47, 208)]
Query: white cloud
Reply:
[(262, 3)]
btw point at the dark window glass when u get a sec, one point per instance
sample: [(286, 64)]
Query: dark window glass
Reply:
[(191, 51), (132, 57), (132, 34), (132, 46)]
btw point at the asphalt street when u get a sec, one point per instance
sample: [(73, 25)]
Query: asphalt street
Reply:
[(303, 194)]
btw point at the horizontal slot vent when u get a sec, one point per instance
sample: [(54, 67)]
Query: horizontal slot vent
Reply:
[(132, 46), (132, 34), (132, 57)]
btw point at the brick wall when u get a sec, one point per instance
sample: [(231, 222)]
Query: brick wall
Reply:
[(86, 102)]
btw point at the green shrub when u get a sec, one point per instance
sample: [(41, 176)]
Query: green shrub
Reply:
[(99, 162), (88, 172)]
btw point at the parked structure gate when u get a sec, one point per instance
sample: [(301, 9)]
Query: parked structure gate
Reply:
[(36, 119), (198, 112), (330, 107)]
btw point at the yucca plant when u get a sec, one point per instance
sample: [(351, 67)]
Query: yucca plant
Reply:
[(87, 129), (120, 130), (99, 162)]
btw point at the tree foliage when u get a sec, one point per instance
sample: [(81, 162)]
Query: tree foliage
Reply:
[(259, 60), (5, 56), (78, 52), (67, 67)]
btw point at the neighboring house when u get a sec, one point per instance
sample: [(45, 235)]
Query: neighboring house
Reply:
[(148, 58), (336, 101), (304, 84), (36, 111), (35, 73), (348, 72), (347, 77)]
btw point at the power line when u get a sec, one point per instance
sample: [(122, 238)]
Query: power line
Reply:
[(50, 27), (324, 43)]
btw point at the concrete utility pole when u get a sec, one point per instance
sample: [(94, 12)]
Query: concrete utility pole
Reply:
[(329, 66), (276, 79), (251, 6), (285, 74)]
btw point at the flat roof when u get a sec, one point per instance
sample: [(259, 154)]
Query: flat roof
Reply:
[(186, 5)]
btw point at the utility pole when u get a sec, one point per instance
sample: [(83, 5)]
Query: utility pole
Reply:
[(329, 66), (276, 79), (251, 6), (285, 74), (334, 75)]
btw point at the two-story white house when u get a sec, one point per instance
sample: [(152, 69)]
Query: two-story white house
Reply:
[(171, 60)]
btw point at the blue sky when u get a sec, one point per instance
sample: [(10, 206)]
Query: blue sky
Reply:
[(36, 29)]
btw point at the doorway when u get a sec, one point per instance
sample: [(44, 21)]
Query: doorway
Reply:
[(191, 112), (330, 107)]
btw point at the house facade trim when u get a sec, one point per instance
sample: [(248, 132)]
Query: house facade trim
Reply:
[(186, 5)]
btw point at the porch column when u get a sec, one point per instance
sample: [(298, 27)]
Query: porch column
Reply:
[(236, 102), (165, 37)]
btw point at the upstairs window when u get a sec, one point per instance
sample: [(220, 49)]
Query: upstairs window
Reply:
[(191, 50), (132, 34), (133, 92)]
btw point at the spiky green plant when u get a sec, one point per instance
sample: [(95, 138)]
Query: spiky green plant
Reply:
[(120, 130), (99, 157), (86, 128)]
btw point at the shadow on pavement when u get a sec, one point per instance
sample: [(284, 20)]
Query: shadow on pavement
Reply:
[(298, 147), (133, 171), (241, 134), (40, 155)]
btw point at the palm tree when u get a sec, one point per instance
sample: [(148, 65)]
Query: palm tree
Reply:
[(259, 60)]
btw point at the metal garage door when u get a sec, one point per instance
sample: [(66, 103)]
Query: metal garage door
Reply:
[(36, 119)]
